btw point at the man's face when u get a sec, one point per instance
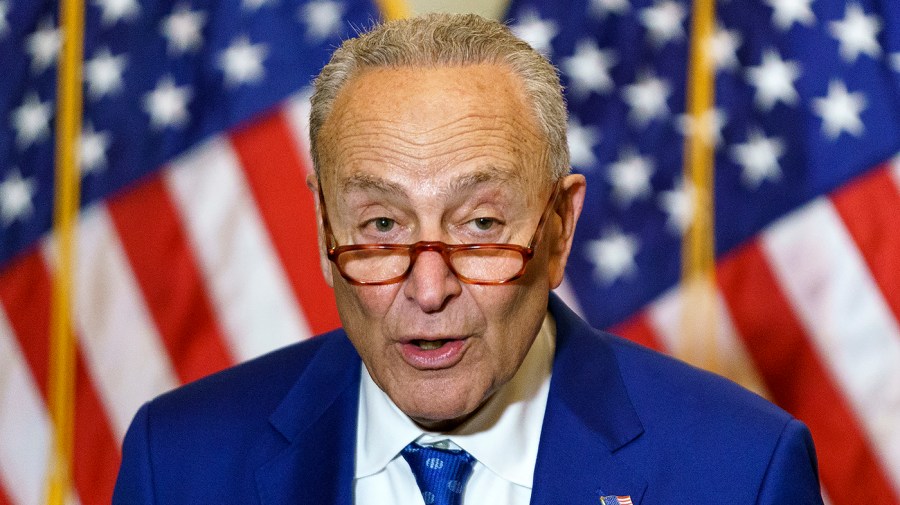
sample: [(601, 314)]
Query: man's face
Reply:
[(452, 155)]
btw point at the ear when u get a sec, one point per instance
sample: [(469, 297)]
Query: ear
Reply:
[(312, 182), (568, 209)]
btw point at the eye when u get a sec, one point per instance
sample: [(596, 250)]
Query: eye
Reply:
[(484, 223), (383, 224)]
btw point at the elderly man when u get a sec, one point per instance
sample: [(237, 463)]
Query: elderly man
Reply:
[(446, 214)]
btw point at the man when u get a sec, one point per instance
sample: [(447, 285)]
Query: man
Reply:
[(446, 214)]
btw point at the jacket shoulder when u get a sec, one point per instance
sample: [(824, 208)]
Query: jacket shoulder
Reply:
[(661, 383), (203, 442), (705, 424), (261, 382), (662, 429)]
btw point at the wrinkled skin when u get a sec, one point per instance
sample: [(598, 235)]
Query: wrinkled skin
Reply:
[(450, 154)]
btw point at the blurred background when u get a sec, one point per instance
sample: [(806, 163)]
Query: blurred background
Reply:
[(743, 208), (493, 9)]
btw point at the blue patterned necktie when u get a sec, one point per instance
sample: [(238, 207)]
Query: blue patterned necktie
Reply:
[(440, 473)]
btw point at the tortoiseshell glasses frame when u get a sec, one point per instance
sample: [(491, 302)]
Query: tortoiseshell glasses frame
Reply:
[(483, 264)]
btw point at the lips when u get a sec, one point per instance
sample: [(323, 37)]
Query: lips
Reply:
[(432, 353)]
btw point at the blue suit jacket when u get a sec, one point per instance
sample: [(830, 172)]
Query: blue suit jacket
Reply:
[(620, 420)]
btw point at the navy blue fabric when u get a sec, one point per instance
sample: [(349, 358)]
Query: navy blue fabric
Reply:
[(440, 473), (620, 418)]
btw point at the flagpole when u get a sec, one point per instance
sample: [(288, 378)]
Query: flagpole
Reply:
[(699, 301), (62, 356)]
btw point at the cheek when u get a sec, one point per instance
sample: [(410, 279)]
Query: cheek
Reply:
[(514, 314), (363, 299), (363, 308), (523, 309)]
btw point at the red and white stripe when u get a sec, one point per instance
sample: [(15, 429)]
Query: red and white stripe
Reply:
[(841, 309), (207, 263), (732, 357), (808, 316), (254, 304), (24, 424)]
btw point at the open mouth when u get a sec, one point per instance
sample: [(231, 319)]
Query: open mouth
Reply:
[(434, 353), (429, 345)]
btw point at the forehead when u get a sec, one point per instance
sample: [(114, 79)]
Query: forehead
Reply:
[(429, 127)]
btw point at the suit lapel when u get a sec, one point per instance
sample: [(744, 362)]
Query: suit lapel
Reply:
[(318, 421), (589, 417)]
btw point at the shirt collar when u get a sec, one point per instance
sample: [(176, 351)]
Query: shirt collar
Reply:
[(503, 435)]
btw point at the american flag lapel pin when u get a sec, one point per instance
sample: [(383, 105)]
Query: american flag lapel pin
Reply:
[(615, 500)]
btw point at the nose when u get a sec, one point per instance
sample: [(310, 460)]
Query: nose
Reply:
[(431, 284)]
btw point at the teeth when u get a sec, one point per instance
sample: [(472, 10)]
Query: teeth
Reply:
[(430, 345)]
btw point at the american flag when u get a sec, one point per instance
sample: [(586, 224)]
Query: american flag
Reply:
[(615, 500), (196, 245), (806, 126), (196, 239)]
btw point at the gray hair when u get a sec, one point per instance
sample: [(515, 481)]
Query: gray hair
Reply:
[(447, 40)]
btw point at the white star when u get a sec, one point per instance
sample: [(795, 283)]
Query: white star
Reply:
[(43, 46), (774, 81), (630, 177), (582, 140), (242, 61), (589, 69), (536, 31), (16, 196), (759, 158), (167, 104), (787, 12), (708, 127), (4, 23), (857, 33), (32, 120), (679, 205), (323, 18), (895, 62), (182, 29), (103, 73), (254, 5), (613, 256), (118, 10), (840, 111), (648, 100), (92, 149), (723, 46), (664, 21), (600, 8)]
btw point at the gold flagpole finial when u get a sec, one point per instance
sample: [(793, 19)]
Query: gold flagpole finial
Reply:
[(394, 9)]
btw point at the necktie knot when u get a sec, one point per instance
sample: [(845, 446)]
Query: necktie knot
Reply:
[(440, 473)]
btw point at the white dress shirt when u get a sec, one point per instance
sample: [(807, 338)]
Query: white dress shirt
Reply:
[(503, 437)]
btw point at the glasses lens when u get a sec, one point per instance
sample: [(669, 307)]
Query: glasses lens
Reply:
[(487, 264), (373, 265)]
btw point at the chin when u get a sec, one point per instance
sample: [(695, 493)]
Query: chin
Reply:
[(441, 409), (440, 422)]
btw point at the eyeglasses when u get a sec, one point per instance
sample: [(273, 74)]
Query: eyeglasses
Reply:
[(379, 264)]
